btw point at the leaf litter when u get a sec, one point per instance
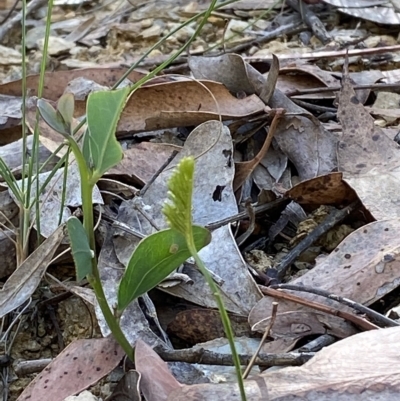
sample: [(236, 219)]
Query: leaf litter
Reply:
[(321, 152)]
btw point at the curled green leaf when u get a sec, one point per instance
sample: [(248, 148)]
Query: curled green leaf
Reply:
[(155, 257), (53, 118)]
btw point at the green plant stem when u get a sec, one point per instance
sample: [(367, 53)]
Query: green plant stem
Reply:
[(222, 311), (23, 223), (36, 142), (88, 223)]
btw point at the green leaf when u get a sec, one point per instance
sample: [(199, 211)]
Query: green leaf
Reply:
[(81, 251), (155, 257), (100, 147), (178, 208), (9, 178), (65, 108), (53, 118)]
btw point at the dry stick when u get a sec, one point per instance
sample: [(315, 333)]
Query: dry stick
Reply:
[(10, 12), (244, 169), (326, 54), (206, 357), (263, 338), (317, 344), (311, 20), (377, 317), (290, 29), (332, 219), (374, 87), (362, 323), (252, 217), (281, 202), (314, 107), (158, 172)]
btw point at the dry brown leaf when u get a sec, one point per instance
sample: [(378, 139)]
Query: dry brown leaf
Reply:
[(244, 169), (56, 82), (363, 268), (362, 367), (24, 281), (367, 157), (327, 189), (156, 380), (201, 325), (81, 364), (299, 76), (182, 103), (143, 160), (297, 324), (301, 137)]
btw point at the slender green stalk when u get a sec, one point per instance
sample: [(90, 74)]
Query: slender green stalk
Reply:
[(94, 278), (178, 212), (224, 315), (36, 142), (23, 222), (23, 89), (64, 186)]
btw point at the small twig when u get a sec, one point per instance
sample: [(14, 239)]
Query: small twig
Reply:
[(244, 169), (373, 315), (252, 217), (375, 87), (311, 20), (364, 324), (317, 344), (334, 218), (146, 216), (282, 202), (314, 107), (326, 54), (289, 29), (158, 172), (16, 19), (23, 368), (56, 326), (263, 338), (207, 357), (12, 9)]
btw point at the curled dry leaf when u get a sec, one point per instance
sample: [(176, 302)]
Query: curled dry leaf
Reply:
[(329, 189), (301, 136), (184, 103), (24, 281)]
